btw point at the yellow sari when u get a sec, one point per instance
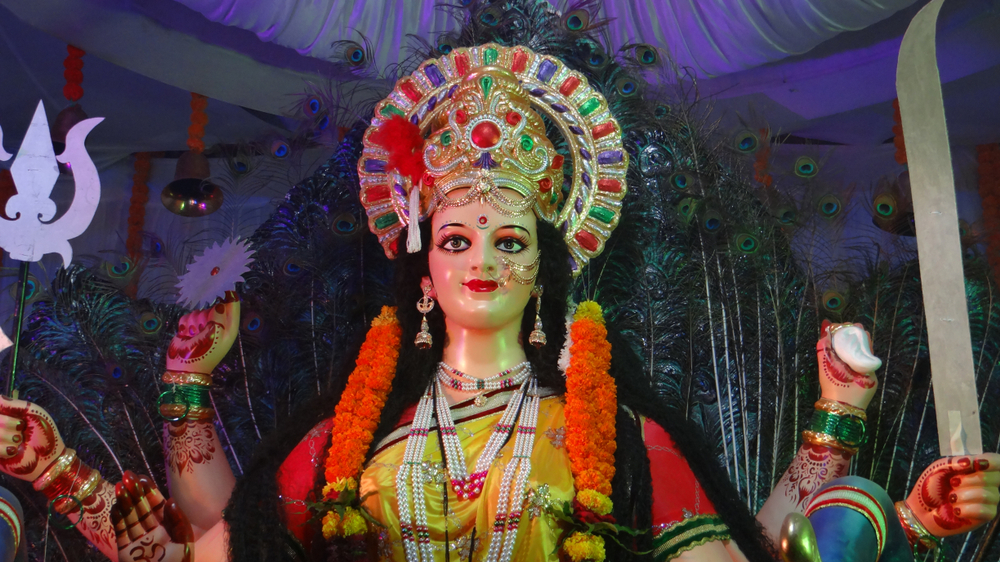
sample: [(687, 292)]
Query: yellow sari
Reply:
[(469, 523)]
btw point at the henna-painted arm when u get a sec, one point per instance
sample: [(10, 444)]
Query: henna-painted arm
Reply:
[(32, 450), (198, 474), (816, 464)]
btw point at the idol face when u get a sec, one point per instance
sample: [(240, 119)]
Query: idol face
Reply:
[(475, 247)]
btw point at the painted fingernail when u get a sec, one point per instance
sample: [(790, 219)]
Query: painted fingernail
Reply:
[(964, 462), (956, 482), (16, 438), (958, 511), (983, 464), (953, 498), (11, 451), (19, 426)]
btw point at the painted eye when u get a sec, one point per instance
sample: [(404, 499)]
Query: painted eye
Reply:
[(510, 245), (455, 244)]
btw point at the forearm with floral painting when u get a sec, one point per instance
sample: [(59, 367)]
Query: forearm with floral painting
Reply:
[(846, 392), (198, 473), (32, 450)]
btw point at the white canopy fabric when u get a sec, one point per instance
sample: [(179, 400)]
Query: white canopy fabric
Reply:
[(714, 37)]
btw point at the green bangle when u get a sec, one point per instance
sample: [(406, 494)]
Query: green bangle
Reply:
[(191, 396), (849, 430)]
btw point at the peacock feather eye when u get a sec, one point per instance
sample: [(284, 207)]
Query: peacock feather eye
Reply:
[(596, 59), (150, 323), (661, 111), (356, 56), (252, 323), (626, 87), (686, 209), (885, 205), (711, 221), (491, 17), (646, 55), (292, 267), (344, 224), (681, 181), (833, 301), (577, 20), (323, 123), (280, 149), (746, 142), (747, 243), (806, 167), (313, 105), (830, 206), (120, 270), (786, 216)]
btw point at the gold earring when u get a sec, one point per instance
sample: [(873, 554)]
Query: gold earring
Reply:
[(537, 337), (424, 305)]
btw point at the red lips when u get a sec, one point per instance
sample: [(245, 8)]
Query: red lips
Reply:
[(480, 286)]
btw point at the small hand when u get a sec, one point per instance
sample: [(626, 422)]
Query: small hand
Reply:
[(205, 336), (29, 440), (838, 380), (955, 495), (148, 527)]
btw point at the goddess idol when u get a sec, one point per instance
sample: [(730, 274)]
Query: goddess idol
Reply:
[(486, 417)]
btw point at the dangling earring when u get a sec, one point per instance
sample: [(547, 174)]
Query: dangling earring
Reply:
[(537, 337), (424, 305)]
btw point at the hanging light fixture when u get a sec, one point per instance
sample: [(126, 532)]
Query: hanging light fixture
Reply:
[(191, 194), (72, 91)]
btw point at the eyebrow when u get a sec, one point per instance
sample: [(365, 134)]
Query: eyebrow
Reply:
[(515, 226), (444, 226)]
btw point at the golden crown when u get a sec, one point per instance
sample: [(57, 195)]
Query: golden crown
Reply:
[(478, 119)]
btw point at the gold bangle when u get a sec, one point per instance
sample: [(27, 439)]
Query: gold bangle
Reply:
[(177, 412), (826, 440), (917, 535), (840, 408), (833, 328), (89, 485), (181, 377), (55, 470)]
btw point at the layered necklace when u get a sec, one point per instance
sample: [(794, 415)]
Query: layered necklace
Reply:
[(508, 378), (520, 417)]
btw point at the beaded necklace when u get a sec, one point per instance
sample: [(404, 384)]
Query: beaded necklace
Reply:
[(521, 415), (466, 383)]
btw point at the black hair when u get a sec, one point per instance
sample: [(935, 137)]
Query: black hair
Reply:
[(255, 515)]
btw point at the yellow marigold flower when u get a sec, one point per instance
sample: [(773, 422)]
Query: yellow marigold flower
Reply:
[(387, 316), (595, 501), (353, 523), (581, 546), (591, 310), (339, 485), (330, 523)]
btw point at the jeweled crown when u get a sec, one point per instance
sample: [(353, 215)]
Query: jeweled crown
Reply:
[(481, 113)]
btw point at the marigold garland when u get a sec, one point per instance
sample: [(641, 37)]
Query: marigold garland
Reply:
[(137, 205), (591, 405), (357, 414), (761, 162), (583, 546), (897, 131), (73, 63), (988, 156), (196, 132)]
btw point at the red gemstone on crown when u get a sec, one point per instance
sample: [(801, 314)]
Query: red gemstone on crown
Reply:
[(461, 117), (513, 117), (545, 185), (486, 134)]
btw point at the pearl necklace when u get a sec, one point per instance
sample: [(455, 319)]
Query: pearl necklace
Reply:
[(410, 479), (501, 381)]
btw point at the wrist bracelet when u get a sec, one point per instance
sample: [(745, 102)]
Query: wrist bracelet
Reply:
[(182, 377), (55, 470), (845, 432), (840, 408), (185, 401), (921, 540)]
